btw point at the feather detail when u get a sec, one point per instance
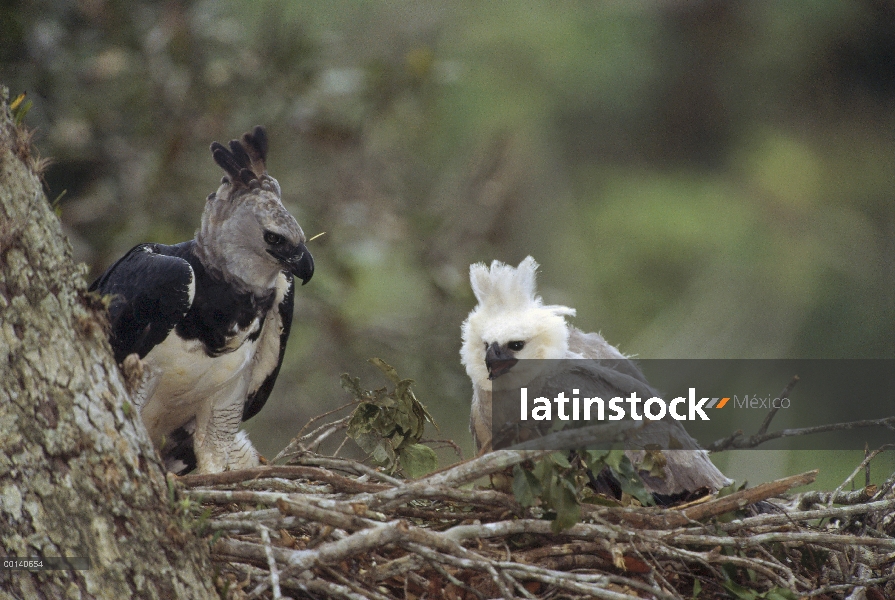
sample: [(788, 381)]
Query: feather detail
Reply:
[(244, 159), (507, 287), (255, 144), (225, 160)]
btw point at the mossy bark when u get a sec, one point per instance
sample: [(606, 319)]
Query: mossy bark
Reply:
[(78, 474)]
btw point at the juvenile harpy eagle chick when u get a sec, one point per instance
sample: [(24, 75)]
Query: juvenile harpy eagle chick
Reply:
[(512, 323), (210, 317)]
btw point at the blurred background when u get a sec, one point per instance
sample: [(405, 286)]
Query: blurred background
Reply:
[(699, 179)]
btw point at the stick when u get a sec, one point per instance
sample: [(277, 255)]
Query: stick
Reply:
[(271, 563), (857, 470), (783, 395), (653, 519), (339, 482), (757, 440)]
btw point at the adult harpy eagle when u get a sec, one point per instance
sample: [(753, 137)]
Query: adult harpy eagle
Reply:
[(210, 317), (512, 323)]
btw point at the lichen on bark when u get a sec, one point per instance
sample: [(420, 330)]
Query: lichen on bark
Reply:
[(78, 474)]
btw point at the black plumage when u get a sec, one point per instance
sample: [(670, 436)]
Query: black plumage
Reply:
[(211, 316), (150, 297), (150, 291)]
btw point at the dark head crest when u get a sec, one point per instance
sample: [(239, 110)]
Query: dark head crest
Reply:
[(244, 159)]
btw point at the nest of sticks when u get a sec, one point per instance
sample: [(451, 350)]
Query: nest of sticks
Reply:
[(329, 527)]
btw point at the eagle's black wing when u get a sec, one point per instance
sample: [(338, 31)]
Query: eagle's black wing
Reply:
[(258, 396), (151, 292)]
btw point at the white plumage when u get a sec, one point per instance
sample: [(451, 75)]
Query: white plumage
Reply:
[(511, 323)]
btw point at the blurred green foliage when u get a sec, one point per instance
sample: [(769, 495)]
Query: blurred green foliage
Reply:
[(706, 179)]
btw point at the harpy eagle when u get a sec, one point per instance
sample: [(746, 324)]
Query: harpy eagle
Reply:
[(210, 317), (512, 323)]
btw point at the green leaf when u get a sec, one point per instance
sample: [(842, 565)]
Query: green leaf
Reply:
[(352, 386), (417, 460), (560, 460), (595, 458), (367, 441), (613, 459), (543, 470), (386, 368), (697, 588), (526, 487), (653, 462), (384, 455), (565, 502), (402, 390), (397, 439), (363, 419), (627, 477)]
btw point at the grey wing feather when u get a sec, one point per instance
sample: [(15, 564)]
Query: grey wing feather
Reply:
[(688, 467), (480, 418)]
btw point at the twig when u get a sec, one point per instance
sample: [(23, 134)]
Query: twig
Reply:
[(791, 537), (271, 565), (593, 585), (821, 591), (396, 567), (339, 482), (885, 488), (785, 578), (327, 588), (448, 443), (444, 573), (369, 593), (317, 435), (341, 445), (743, 498), (249, 525), (581, 437), (345, 464), (278, 484), (298, 561), (651, 518), (310, 512), (436, 516), (457, 475), (858, 469), (862, 496), (724, 443), (757, 440), (808, 515), (771, 413), (323, 416)]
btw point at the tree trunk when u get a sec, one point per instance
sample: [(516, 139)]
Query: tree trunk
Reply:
[(78, 474)]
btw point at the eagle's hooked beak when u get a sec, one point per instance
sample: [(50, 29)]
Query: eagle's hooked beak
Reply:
[(299, 262), (498, 360)]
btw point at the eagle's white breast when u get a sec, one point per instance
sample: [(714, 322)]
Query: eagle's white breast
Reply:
[(192, 378)]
